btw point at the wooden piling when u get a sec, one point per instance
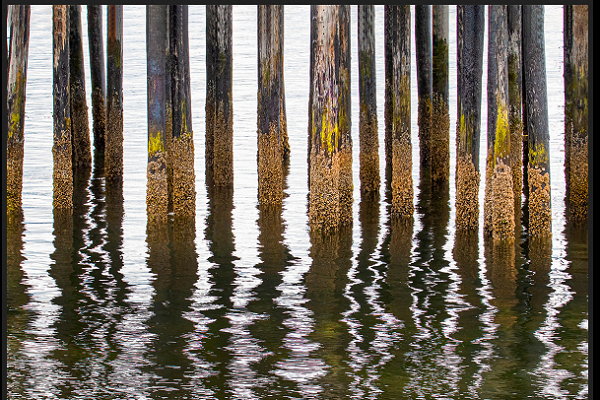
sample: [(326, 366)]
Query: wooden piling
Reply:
[(19, 19), (367, 91), (62, 148), (269, 104), (219, 106), (157, 50), (538, 169), (498, 212), (181, 145), (576, 109), (113, 161), (397, 108), (424, 82), (80, 128), (440, 120), (97, 70), (470, 23)]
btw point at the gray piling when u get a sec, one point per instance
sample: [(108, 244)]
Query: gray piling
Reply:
[(113, 161), (97, 71)]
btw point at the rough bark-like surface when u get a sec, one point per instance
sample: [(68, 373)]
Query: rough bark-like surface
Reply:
[(576, 109), (80, 127), (440, 130), (369, 141), (424, 81), (470, 23), (17, 81), (62, 149), (397, 108), (219, 106), (113, 161), (534, 60), (97, 71)]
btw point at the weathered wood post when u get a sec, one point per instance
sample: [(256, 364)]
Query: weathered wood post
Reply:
[(80, 128), (19, 17), (367, 91), (219, 106), (470, 23), (62, 148), (157, 50), (346, 186), (97, 71), (424, 82), (113, 161), (397, 108), (538, 168), (181, 145), (269, 104), (498, 213), (440, 119), (576, 109)]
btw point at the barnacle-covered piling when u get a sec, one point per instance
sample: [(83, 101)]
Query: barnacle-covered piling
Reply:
[(424, 81), (97, 71), (113, 160)]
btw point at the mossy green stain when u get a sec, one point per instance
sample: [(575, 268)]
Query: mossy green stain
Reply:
[(502, 138)]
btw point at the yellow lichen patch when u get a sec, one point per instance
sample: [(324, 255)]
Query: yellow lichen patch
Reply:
[(538, 154), (329, 132), (155, 143), (502, 139)]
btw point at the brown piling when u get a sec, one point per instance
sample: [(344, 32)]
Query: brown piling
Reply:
[(80, 128), (470, 23), (576, 109), (538, 169), (113, 161), (97, 71), (219, 106), (367, 91), (157, 45), (181, 145), (424, 81), (498, 212), (440, 120), (269, 104), (397, 108), (62, 149), (19, 18)]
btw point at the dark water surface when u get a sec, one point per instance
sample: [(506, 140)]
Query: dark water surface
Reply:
[(241, 302)]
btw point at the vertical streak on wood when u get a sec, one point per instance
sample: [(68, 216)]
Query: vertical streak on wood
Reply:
[(157, 195), (313, 44), (97, 71), (346, 187), (61, 150), (538, 169), (282, 110), (576, 109), (367, 90), (470, 23), (525, 147), (440, 134), (80, 129), (113, 162), (424, 82), (17, 81)]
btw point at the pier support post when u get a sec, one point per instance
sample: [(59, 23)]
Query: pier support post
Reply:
[(219, 106), (62, 148), (113, 162), (397, 108), (19, 19), (97, 70), (424, 83), (80, 128), (367, 91), (576, 109), (538, 168)]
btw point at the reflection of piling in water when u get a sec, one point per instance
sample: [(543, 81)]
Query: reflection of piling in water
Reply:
[(440, 119), (219, 106), (398, 147), (80, 130), (538, 168), (113, 161), (19, 17), (270, 118), (424, 81), (498, 213), (470, 23), (367, 91), (61, 150), (576, 109), (97, 71), (330, 184)]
